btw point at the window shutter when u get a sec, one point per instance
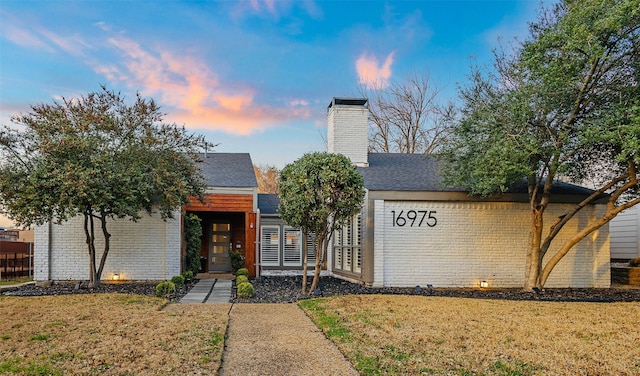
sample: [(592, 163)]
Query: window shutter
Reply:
[(270, 245)]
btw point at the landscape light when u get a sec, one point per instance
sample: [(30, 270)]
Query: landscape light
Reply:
[(115, 277), (484, 284)]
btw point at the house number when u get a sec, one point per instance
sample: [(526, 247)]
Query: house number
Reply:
[(414, 218)]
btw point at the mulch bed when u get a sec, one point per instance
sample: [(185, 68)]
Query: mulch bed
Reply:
[(288, 289)]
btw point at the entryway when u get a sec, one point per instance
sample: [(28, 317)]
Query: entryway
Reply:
[(219, 246)]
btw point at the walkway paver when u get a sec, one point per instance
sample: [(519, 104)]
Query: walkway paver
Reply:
[(209, 291), (278, 339)]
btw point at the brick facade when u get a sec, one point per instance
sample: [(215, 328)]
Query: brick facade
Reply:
[(478, 241), (145, 250)]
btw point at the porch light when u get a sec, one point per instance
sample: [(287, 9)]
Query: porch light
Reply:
[(115, 277), (484, 284)]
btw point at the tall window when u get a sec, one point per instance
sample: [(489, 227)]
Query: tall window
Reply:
[(347, 249), (270, 246), (292, 247)]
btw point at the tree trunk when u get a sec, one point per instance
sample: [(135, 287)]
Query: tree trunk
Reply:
[(305, 261), (89, 232), (534, 261), (316, 273), (107, 244)]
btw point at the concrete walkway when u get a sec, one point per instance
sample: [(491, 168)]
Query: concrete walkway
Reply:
[(278, 339), (209, 291)]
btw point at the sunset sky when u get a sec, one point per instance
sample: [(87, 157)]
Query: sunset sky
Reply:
[(254, 76)]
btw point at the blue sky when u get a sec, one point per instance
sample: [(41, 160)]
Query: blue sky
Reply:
[(254, 76)]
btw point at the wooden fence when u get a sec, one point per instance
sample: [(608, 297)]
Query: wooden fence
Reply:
[(16, 259)]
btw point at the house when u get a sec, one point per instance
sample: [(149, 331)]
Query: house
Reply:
[(411, 231), (414, 231)]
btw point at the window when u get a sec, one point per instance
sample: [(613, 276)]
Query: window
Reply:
[(270, 245), (292, 255), (347, 246)]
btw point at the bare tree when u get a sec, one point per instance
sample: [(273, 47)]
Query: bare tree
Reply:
[(407, 117), (267, 177)]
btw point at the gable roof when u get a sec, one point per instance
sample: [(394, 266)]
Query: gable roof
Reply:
[(419, 172), (228, 170)]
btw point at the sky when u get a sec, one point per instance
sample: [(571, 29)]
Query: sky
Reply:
[(253, 76)]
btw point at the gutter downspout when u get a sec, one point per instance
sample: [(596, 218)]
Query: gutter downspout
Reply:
[(49, 251), (257, 244)]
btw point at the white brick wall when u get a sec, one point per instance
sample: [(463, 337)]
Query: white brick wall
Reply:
[(145, 250), (347, 132), (478, 241)]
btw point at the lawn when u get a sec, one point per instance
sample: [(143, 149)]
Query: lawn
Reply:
[(414, 335), (119, 334), (109, 334)]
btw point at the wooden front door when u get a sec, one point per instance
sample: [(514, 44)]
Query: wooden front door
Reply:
[(219, 245)]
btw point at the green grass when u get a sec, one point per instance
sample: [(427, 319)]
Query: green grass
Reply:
[(17, 281), (18, 366), (329, 323)]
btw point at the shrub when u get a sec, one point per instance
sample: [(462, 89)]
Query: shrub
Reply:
[(237, 261), (635, 262), (193, 239), (178, 280), (241, 278), (243, 271), (165, 288), (188, 275), (245, 290)]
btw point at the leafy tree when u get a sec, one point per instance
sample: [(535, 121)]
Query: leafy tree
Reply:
[(565, 104), (97, 157), (407, 117), (318, 193), (193, 240)]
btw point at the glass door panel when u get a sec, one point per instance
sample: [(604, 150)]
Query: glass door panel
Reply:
[(219, 245)]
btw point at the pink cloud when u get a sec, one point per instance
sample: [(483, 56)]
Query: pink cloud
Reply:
[(371, 73), (192, 91)]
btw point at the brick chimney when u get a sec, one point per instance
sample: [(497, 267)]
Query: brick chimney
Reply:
[(347, 132)]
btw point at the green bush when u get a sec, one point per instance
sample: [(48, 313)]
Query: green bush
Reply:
[(193, 239), (237, 261), (245, 290), (164, 289), (241, 278), (243, 271), (177, 280), (188, 275)]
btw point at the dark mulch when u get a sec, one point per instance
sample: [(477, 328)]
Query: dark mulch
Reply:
[(287, 290), (65, 288)]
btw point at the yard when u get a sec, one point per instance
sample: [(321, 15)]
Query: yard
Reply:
[(109, 334), (122, 334), (412, 335)]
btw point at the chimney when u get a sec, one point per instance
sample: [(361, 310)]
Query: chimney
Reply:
[(347, 132)]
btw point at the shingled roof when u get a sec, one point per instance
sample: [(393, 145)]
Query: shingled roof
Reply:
[(228, 170), (268, 203), (419, 172)]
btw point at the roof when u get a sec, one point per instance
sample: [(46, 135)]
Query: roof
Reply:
[(402, 172), (419, 172), (268, 203), (228, 170)]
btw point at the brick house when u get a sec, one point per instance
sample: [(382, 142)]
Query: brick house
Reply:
[(411, 231)]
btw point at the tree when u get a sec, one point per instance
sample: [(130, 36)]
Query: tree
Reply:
[(407, 117), (565, 104), (318, 193), (267, 177), (97, 157)]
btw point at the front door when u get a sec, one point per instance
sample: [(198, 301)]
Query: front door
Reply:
[(219, 245)]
